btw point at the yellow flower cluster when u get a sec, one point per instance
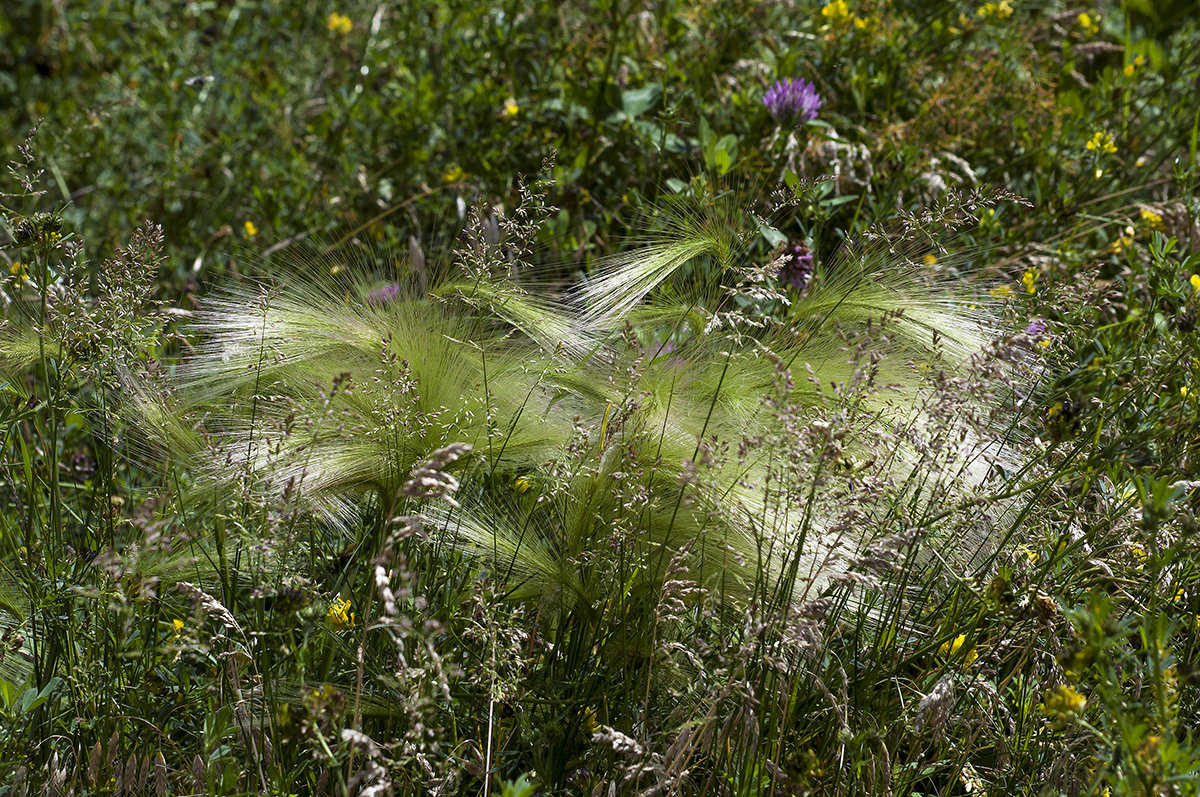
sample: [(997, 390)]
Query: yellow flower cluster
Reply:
[(1139, 551), (250, 229), (339, 615), (1062, 705), (1029, 279), (339, 23), (511, 109), (952, 647), (837, 12), (20, 272), (1133, 67), (1151, 219), (1088, 23), (1123, 242), (453, 175), (1102, 141), (1001, 10)]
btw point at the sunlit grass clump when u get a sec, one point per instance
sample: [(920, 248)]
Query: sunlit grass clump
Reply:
[(680, 405)]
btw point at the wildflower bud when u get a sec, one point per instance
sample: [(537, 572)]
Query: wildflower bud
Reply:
[(35, 228), (25, 233), (1185, 321)]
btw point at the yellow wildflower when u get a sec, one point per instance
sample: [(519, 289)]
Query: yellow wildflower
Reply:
[(1183, 391), (339, 615), (1195, 280), (20, 272), (511, 109), (1055, 410), (1028, 553), (1102, 141), (1140, 162), (522, 484), (1062, 705), (250, 229), (1043, 344), (1028, 279), (930, 260), (1004, 292), (1123, 242), (1089, 25), (1001, 10), (866, 24), (951, 648), (1138, 550), (1151, 219), (454, 175), (837, 12), (177, 624), (339, 23), (1129, 68)]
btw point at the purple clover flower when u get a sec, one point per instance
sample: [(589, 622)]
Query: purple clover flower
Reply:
[(662, 349), (385, 295), (797, 270), (792, 101), (1036, 328)]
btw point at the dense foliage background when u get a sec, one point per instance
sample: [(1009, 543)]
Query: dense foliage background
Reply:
[(179, 618)]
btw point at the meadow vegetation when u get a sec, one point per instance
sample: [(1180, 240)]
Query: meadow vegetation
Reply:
[(601, 398)]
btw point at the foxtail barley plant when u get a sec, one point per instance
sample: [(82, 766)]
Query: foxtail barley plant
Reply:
[(683, 440)]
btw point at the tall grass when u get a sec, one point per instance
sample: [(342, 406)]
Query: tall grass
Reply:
[(655, 478), (916, 516)]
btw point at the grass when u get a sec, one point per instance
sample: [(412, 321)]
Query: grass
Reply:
[(501, 400)]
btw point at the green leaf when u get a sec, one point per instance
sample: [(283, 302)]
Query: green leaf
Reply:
[(722, 162), (32, 698), (773, 236), (636, 102), (521, 787), (8, 692)]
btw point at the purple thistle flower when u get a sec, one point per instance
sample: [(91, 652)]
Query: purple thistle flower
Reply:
[(792, 101)]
